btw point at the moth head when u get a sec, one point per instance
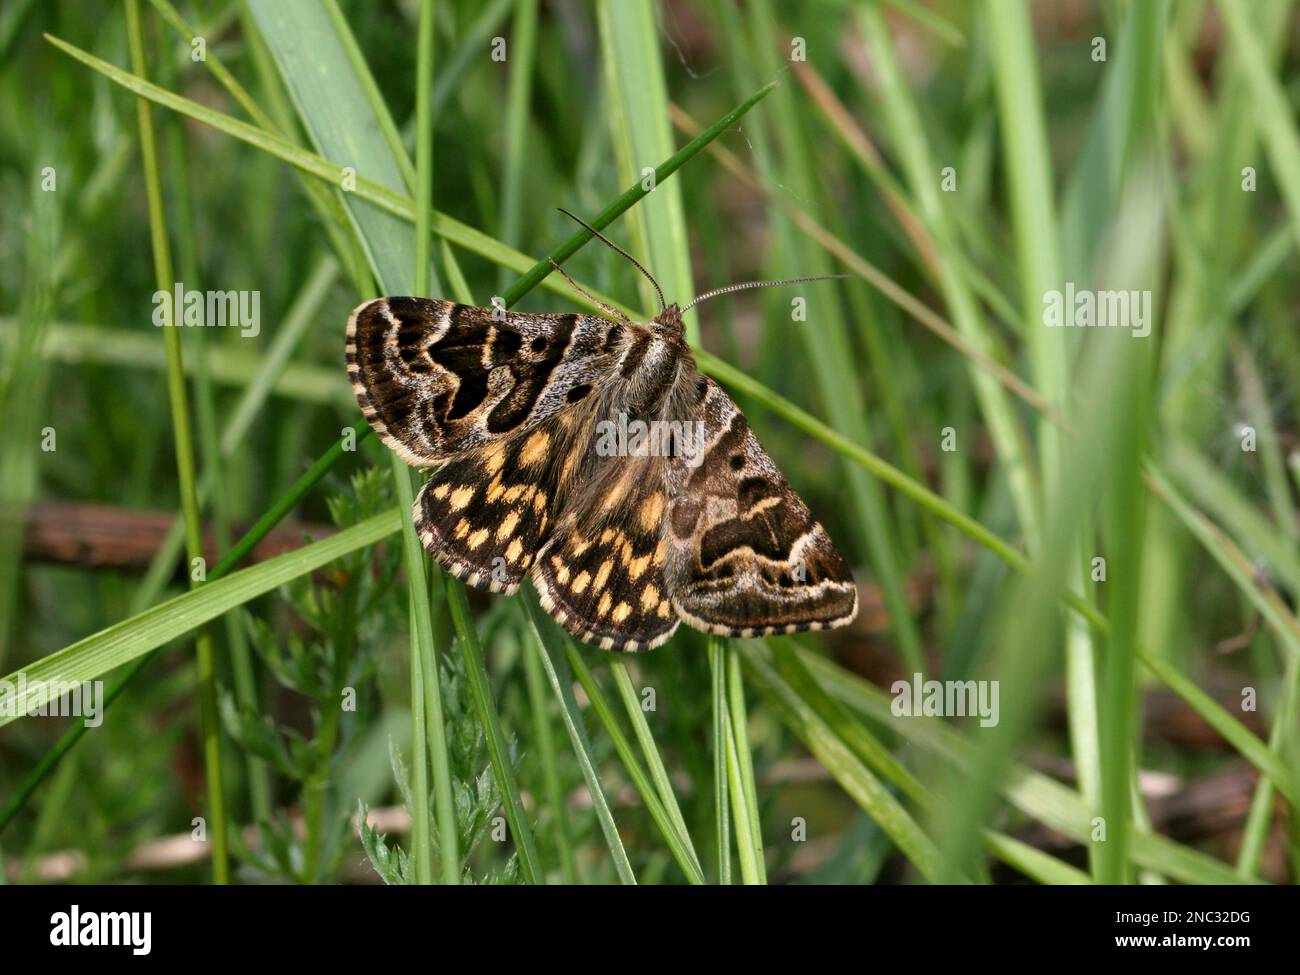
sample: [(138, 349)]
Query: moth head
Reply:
[(670, 319)]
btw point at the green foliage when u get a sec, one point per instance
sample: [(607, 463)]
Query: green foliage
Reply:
[(327, 659), (475, 791), (502, 751)]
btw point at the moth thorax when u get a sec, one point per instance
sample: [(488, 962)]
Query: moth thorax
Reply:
[(650, 380)]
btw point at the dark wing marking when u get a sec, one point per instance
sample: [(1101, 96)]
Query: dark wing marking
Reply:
[(601, 575), (485, 514), (435, 378), (746, 557)]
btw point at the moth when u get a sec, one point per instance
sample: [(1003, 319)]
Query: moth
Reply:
[(589, 454)]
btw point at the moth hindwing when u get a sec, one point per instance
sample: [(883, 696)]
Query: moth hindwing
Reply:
[(623, 538)]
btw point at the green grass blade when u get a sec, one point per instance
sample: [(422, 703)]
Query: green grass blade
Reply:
[(1235, 564), (164, 279), (74, 342), (679, 841), (383, 198), (319, 68), (1259, 820), (745, 842), (740, 767), (561, 833), (426, 718), (638, 100), (1033, 862), (552, 658), (1004, 427), (1271, 106), (931, 20), (882, 282), (360, 70), (476, 673), (323, 202), (535, 272), (721, 799), (1212, 489), (474, 40), (426, 691), (237, 553), (630, 196), (1034, 794), (869, 749), (856, 779), (523, 51), (1039, 263), (827, 344), (658, 772), (1223, 722), (340, 114), (122, 642)]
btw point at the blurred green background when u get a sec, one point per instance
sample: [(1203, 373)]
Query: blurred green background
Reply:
[(1101, 526)]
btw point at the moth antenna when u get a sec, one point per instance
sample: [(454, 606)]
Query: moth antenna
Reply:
[(635, 263), (608, 310), (761, 284)]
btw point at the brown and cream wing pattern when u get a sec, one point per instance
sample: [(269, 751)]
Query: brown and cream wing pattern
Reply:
[(746, 558), (435, 378)]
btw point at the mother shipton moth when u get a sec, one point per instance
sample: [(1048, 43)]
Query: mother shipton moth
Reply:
[(693, 523)]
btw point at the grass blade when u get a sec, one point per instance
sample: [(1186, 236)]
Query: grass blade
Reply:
[(122, 642), (1033, 793), (476, 672), (721, 800), (679, 841), (164, 278), (740, 770), (856, 779), (552, 658), (659, 774), (638, 100), (561, 833), (1271, 105)]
